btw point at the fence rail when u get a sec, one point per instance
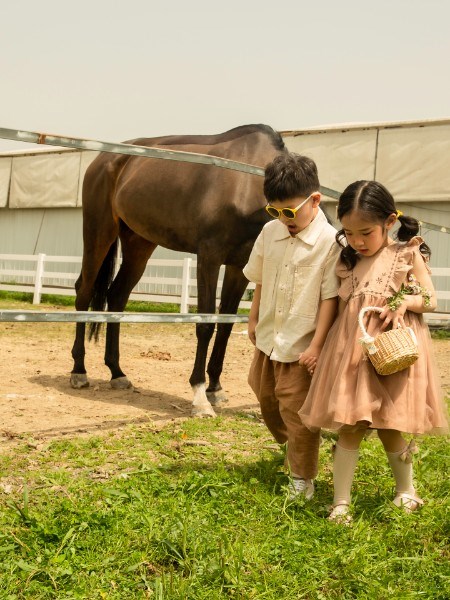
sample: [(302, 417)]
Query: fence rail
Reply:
[(164, 280)]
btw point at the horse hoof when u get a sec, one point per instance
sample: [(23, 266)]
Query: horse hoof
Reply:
[(121, 383), (79, 380), (216, 398), (203, 411)]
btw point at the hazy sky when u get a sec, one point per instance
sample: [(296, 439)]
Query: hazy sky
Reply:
[(114, 70)]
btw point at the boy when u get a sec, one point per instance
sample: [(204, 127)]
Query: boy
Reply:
[(294, 304)]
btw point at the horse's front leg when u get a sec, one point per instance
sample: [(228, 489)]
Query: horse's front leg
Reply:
[(207, 276), (233, 287), (201, 406)]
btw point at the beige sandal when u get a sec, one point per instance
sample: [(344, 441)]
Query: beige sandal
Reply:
[(407, 502), (340, 513)]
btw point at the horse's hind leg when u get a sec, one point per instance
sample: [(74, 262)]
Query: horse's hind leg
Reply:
[(233, 287), (95, 254), (135, 252)]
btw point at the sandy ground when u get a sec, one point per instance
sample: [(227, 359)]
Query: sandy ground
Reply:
[(37, 403)]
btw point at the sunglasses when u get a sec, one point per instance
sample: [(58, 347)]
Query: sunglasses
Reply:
[(288, 213)]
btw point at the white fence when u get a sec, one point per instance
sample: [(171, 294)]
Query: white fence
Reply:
[(164, 280)]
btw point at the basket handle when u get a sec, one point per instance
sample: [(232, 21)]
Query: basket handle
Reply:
[(367, 340)]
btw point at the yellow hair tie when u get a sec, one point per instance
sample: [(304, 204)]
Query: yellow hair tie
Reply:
[(399, 214)]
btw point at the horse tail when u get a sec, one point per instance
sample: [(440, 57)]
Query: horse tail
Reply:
[(101, 287)]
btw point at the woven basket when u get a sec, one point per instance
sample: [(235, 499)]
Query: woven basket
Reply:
[(390, 351)]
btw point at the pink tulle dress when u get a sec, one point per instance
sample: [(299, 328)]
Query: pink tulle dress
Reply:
[(346, 392)]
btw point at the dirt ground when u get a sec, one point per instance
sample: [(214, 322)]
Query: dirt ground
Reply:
[(37, 403)]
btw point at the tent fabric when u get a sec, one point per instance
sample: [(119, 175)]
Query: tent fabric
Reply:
[(412, 160), (341, 157), (414, 163), (45, 181), (5, 175)]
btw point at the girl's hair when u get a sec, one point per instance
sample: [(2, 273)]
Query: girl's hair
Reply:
[(375, 203)]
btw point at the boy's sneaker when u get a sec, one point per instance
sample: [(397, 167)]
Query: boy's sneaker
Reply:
[(300, 488)]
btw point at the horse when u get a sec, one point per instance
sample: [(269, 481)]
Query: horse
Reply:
[(212, 212)]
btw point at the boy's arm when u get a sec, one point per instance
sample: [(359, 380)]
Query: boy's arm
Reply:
[(325, 318), (254, 314)]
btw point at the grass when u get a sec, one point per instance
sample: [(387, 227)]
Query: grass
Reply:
[(17, 300), (198, 510)]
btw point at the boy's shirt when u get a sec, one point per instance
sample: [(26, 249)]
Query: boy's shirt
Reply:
[(295, 273)]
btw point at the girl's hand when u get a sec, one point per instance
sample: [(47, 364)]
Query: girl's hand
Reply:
[(393, 317), (309, 357)]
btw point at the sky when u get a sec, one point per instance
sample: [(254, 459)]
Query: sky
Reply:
[(112, 70)]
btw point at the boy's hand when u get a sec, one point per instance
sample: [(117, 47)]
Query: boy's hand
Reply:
[(251, 330), (309, 357)]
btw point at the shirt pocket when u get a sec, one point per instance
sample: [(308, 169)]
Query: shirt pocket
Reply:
[(305, 291)]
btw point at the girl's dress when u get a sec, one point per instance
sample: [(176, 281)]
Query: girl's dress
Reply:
[(346, 392)]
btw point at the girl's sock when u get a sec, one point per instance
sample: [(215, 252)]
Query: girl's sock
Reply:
[(344, 466), (402, 471)]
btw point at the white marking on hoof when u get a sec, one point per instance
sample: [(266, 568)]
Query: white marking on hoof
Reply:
[(216, 398), (121, 383), (201, 406), (79, 380)]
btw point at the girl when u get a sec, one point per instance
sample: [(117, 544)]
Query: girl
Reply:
[(346, 394)]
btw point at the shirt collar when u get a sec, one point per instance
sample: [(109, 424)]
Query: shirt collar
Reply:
[(309, 235)]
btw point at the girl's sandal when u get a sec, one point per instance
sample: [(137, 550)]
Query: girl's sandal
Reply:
[(408, 502), (340, 513)]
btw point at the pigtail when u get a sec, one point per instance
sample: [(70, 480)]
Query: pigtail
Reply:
[(409, 227), (348, 255)]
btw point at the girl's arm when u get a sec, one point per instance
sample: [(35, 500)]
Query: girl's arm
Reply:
[(325, 319), (414, 303), (254, 314)]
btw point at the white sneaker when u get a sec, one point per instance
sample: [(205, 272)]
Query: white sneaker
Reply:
[(300, 488)]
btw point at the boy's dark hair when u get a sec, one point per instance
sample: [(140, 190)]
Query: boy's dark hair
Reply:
[(290, 175), (375, 203)]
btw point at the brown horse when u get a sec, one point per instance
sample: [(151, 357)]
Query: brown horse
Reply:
[(213, 212)]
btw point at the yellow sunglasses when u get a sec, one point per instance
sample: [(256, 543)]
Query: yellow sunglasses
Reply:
[(288, 213)]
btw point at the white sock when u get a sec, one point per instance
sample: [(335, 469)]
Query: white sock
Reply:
[(344, 466), (403, 473)]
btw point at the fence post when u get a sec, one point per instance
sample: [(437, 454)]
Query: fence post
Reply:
[(38, 278), (185, 278)]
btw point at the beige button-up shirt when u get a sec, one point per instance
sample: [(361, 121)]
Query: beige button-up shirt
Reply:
[(295, 274)]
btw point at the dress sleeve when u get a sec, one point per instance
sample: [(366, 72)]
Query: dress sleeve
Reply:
[(346, 286), (405, 261)]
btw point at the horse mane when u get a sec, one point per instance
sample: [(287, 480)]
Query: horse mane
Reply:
[(227, 136)]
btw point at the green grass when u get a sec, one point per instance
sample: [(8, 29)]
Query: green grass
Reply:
[(198, 510), (16, 300)]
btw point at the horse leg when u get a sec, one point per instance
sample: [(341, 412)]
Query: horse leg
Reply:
[(207, 277), (94, 255), (233, 287), (135, 253)]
